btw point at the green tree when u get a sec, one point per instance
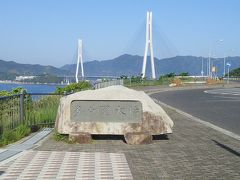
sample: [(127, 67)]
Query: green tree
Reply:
[(184, 74), (45, 78), (170, 75), (74, 87), (17, 90), (234, 73)]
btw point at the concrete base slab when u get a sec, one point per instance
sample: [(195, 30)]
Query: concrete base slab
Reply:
[(26, 145)]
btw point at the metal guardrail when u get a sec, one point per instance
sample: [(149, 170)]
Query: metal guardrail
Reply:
[(9, 112), (32, 109), (108, 83), (234, 78)]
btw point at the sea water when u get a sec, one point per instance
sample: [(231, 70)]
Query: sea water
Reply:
[(31, 88)]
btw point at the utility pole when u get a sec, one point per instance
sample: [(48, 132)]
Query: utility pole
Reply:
[(148, 44), (228, 65), (210, 54), (79, 60), (224, 65), (209, 65)]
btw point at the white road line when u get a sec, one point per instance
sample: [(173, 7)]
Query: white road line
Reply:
[(221, 91)]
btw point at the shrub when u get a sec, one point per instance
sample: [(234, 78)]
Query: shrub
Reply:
[(10, 136), (184, 74), (60, 137), (234, 73), (4, 93), (177, 81), (17, 90), (22, 131), (74, 87)]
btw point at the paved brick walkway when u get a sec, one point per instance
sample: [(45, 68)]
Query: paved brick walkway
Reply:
[(67, 165), (193, 151)]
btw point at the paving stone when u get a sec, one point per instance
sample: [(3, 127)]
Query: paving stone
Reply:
[(86, 166), (192, 151)]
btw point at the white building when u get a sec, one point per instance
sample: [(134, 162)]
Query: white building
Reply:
[(22, 78)]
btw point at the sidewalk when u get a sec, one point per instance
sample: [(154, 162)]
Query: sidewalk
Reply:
[(193, 151)]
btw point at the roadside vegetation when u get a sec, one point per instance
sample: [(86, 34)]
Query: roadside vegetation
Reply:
[(74, 87), (61, 137), (38, 111), (14, 135), (14, 91), (166, 79), (41, 112), (234, 73)]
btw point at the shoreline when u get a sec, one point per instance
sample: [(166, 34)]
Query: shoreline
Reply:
[(29, 83)]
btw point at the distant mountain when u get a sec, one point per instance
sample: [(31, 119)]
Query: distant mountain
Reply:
[(10, 69), (123, 65), (132, 65)]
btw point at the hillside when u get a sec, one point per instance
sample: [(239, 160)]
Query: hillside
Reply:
[(132, 65), (123, 65), (10, 69)]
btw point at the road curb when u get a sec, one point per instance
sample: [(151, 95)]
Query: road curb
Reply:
[(2, 163), (193, 118)]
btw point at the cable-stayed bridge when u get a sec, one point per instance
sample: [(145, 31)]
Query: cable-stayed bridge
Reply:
[(207, 65), (149, 45)]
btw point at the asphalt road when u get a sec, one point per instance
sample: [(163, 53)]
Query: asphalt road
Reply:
[(220, 107)]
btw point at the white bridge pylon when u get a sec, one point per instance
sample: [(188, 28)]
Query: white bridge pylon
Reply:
[(148, 45), (79, 60)]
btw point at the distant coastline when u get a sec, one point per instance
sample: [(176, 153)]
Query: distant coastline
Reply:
[(30, 83)]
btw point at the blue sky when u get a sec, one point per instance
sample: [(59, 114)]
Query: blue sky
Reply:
[(46, 31)]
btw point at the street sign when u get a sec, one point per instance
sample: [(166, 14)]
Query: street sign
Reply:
[(214, 69)]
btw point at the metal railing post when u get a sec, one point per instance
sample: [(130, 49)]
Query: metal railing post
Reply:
[(22, 106)]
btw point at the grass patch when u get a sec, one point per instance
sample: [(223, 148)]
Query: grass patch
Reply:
[(65, 138), (22, 131), (11, 136), (61, 137), (43, 111), (159, 82)]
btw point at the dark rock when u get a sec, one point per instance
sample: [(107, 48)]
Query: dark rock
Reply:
[(80, 137), (34, 128), (138, 138)]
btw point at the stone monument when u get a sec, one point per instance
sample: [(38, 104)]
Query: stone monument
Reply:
[(115, 110)]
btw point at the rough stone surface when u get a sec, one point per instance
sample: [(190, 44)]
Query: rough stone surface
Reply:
[(80, 137), (138, 138), (154, 119)]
